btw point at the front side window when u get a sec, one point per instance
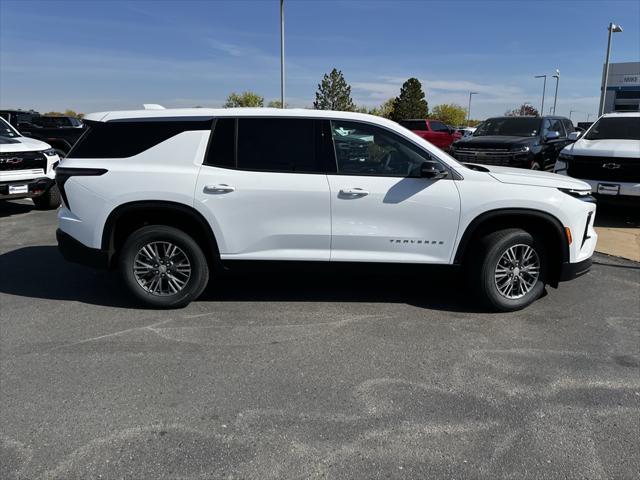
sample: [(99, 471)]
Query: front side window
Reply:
[(553, 125), (278, 145), (612, 128), (568, 126), (363, 149)]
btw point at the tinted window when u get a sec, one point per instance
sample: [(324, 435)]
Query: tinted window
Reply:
[(509, 126), (418, 125), (363, 149), (438, 127), (278, 145), (612, 128), (568, 126), (554, 125), (221, 147), (120, 139)]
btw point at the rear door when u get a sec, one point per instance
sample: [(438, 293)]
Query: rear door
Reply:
[(381, 210), (264, 190)]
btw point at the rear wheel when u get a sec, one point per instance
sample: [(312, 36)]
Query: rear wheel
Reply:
[(163, 266), (510, 269), (48, 200)]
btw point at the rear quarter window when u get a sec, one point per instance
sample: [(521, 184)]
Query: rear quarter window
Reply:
[(122, 139)]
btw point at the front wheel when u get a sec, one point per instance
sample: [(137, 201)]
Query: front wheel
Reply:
[(510, 269), (163, 266)]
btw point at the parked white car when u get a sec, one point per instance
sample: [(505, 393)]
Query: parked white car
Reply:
[(164, 195), (27, 168), (607, 156)]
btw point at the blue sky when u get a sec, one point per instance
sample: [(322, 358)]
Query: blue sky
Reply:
[(105, 55)]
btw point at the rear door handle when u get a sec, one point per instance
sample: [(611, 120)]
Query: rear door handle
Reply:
[(220, 188), (353, 192)]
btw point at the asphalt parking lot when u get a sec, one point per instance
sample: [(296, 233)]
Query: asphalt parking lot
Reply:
[(310, 376)]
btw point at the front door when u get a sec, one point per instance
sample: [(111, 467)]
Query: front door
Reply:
[(381, 210), (266, 196)]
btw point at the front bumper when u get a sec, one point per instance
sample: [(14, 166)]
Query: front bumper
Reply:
[(35, 188), (574, 270), (74, 251)]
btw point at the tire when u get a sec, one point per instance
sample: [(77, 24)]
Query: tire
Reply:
[(155, 287), (492, 270), (49, 200)]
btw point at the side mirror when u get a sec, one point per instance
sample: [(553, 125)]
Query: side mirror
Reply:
[(432, 170), (552, 136), (573, 136)]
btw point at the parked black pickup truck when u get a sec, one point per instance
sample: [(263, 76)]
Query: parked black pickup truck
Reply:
[(524, 142), (59, 132)]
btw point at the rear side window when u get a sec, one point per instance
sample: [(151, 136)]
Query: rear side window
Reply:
[(415, 125), (278, 145), (438, 127), (121, 139)]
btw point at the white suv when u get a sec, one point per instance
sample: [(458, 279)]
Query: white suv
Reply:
[(27, 168), (167, 195), (607, 157)]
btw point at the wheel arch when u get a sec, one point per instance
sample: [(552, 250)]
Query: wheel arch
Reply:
[(128, 217), (531, 220)]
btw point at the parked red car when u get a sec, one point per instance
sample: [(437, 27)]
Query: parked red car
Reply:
[(433, 131)]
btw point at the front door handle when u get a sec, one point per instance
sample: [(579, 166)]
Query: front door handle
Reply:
[(220, 188), (353, 192)]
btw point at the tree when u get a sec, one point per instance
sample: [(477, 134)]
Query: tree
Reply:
[(525, 109), (67, 113), (411, 102), (246, 99), (277, 104), (449, 113), (334, 93), (385, 110)]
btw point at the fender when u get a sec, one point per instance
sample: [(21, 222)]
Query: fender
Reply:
[(182, 210), (504, 212)]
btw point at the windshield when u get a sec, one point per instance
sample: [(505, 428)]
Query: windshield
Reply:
[(7, 130), (509, 126), (615, 128)]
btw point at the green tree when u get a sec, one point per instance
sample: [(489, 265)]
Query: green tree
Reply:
[(385, 110), (245, 99), (525, 109), (277, 104), (334, 93), (449, 113), (411, 102)]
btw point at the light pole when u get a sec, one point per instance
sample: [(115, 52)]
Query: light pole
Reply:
[(281, 53), (544, 88), (613, 28), (469, 109), (555, 98)]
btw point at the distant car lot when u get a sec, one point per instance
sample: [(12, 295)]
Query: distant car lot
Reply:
[(308, 376)]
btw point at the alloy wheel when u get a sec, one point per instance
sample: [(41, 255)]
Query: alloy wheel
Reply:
[(162, 268), (517, 271)]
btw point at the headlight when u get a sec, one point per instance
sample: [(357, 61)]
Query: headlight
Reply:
[(50, 152), (584, 195), (521, 149)]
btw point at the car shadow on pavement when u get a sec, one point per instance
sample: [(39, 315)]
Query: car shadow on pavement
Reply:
[(617, 216), (41, 272), (8, 209)]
